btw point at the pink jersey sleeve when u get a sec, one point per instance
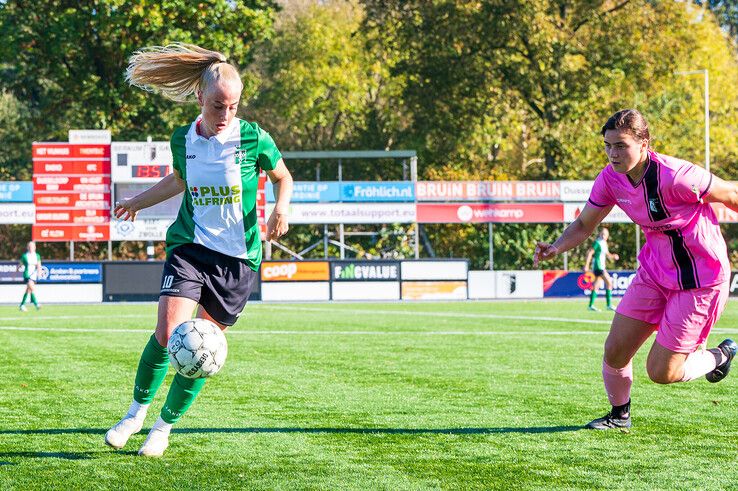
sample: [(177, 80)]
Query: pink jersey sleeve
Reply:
[(691, 183), (600, 196)]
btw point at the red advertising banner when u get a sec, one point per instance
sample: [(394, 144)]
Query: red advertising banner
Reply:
[(79, 184), (85, 201), (491, 213), (77, 217), (261, 204), (68, 151), (488, 190), (63, 233), (72, 167), (71, 191)]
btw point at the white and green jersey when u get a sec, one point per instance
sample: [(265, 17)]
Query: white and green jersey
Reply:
[(600, 254), (221, 173), (30, 263)]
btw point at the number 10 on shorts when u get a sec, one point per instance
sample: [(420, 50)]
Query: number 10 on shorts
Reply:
[(167, 281)]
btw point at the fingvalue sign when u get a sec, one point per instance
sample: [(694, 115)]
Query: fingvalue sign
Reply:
[(365, 270)]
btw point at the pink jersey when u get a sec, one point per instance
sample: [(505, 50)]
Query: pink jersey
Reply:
[(684, 246)]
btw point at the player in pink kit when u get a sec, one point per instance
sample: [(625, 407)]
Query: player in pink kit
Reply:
[(681, 286)]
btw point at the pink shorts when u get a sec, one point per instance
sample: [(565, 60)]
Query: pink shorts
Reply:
[(683, 318)]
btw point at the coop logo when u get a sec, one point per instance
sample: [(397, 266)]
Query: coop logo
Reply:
[(215, 195), (280, 271), (366, 272)]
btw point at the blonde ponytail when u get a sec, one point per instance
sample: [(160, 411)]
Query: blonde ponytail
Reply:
[(178, 70)]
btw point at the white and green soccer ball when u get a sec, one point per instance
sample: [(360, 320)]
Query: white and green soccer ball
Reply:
[(197, 348)]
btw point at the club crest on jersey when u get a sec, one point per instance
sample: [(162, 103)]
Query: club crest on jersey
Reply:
[(241, 156), (654, 205), (215, 195)]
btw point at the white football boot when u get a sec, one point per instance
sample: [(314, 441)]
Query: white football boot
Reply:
[(118, 435), (157, 441)]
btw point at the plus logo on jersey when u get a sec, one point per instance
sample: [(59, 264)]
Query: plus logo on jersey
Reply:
[(215, 195)]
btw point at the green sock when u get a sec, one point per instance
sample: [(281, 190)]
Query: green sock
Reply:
[(152, 368), (592, 297), (25, 297), (608, 296), (33, 299), (181, 395)]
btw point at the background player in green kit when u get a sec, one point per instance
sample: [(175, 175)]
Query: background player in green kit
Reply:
[(31, 262), (600, 253), (214, 245)]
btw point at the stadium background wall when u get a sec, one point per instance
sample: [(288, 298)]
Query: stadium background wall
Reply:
[(127, 281)]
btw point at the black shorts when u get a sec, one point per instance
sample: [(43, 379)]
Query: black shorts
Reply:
[(220, 283), (598, 272)]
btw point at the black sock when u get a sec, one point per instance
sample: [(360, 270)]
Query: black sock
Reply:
[(620, 412)]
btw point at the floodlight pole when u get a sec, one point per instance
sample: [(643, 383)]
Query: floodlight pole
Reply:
[(706, 73)]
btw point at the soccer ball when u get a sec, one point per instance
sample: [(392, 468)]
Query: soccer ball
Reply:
[(197, 348)]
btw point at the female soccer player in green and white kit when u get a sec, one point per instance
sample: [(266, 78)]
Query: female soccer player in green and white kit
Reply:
[(31, 262), (214, 245)]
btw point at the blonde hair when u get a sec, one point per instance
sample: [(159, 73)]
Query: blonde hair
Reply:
[(178, 70)]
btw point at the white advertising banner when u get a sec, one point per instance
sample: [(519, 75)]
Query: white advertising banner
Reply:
[(153, 229), (482, 284), (297, 291), (366, 290), (519, 284), (434, 270), (572, 211), (349, 212), (576, 190), (17, 213)]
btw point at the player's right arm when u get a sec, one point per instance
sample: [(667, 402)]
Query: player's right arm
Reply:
[(590, 254), (576, 233), (168, 187)]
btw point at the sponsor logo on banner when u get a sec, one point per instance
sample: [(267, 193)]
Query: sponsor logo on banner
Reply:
[(350, 212), (309, 192), (365, 271), (617, 215), (575, 191), (295, 271), (377, 191), (52, 272), (433, 290), (17, 213), (557, 283), (147, 229), (724, 214), (488, 190), (16, 191), (494, 213)]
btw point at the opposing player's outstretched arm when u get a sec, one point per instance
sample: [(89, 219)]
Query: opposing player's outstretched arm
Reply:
[(722, 192), (168, 187), (576, 233)]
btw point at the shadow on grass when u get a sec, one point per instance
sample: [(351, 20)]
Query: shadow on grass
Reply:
[(48, 455), (361, 431)]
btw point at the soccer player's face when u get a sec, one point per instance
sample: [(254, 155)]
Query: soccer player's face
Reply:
[(623, 150), (219, 104)]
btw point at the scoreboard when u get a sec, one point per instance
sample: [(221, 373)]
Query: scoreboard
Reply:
[(140, 161)]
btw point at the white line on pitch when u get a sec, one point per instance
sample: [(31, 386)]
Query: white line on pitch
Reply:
[(442, 314), (110, 316), (293, 332)]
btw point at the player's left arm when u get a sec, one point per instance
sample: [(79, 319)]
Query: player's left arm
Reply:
[(724, 192), (281, 178), (38, 264)]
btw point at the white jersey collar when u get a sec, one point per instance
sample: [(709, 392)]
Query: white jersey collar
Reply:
[(222, 137)]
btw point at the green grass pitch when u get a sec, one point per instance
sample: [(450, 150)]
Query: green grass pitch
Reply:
[(467, 395)]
